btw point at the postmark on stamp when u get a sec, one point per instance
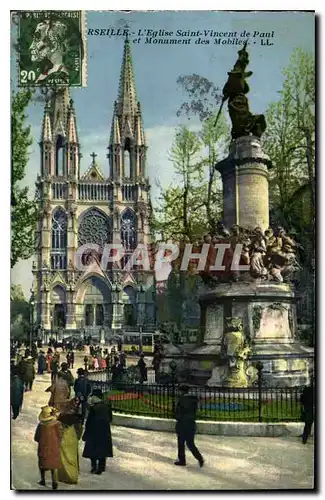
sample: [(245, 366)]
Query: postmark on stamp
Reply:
[(52, 48)]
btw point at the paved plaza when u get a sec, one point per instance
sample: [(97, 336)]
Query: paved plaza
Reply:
[(143, 460)]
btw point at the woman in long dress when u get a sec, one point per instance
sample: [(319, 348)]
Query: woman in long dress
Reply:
[(71, 433), (49, 358), (60, 393)]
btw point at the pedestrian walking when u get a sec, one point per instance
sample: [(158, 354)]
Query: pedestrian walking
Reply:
[(60, 392), (82, 389), (108, 362), (66, 374), (54, 367), (48, 436), (16, 392), (71, 359), (97, 435), (49, 357), (41, 363), (185, 426), (96, 363), (71, 431), (143, 369), (28, 373), (307, 401), (122, 359), (86, 363)]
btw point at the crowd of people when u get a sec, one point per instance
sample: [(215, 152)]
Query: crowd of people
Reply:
[(77, 411), (74, 411)]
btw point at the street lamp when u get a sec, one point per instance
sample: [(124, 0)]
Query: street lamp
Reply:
[(31, 317)]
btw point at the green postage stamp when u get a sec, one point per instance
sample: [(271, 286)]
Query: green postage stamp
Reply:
[(52, 48)]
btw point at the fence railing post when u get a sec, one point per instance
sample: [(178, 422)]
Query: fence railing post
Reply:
[(259, 367), (173, 367)]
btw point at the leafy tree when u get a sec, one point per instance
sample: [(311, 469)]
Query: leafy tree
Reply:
[(290, 134), (180, 206), (23, 210), (214, 140), (290, 142), (19, 312), (204, 98)]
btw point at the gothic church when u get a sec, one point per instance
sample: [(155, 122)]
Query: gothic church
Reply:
[(77, 210)]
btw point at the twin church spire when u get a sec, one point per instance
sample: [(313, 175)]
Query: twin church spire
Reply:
[(60, 146)]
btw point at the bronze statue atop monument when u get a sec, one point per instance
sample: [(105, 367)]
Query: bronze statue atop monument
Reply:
[(235, 90)]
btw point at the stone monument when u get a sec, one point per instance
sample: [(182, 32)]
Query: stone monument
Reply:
[(248, 309)]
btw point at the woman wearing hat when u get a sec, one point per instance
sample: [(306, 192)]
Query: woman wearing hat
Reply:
[(97, 435), (71, 433), (60, 392), (48, 436)]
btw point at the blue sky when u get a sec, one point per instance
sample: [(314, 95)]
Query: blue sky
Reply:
[(157, 68)]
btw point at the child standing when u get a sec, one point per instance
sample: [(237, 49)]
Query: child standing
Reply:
[(48, 436)]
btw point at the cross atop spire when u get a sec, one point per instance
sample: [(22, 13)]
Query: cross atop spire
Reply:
[(93, 155)]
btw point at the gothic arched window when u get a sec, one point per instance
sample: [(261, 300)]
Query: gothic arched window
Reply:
[(59, 239), (127, 164), (129, 229), (94, 227), (59, 157)]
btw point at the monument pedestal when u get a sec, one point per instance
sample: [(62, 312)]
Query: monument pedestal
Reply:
[(268, 314), (244, 176), (266, 309), (248, 320)]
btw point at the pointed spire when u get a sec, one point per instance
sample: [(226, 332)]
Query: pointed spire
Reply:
[(72, 125), (127, 99), (60, 107), (46, 128), (115, 132), (139, 133)]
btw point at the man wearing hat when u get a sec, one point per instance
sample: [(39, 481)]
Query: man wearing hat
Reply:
[(307, 400), (185, 426), (48, 436), (97, 435), (82, 389), (66, 374)]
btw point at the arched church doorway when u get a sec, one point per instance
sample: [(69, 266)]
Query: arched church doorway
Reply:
[(59, 307), (96, 305), (130, 306)]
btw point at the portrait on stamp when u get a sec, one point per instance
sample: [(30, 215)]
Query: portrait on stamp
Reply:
[(51, 48)]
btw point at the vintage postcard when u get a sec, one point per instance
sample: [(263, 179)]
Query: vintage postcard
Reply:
[(162, 251)]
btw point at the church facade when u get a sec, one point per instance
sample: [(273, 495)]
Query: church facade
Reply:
[(93, 210)]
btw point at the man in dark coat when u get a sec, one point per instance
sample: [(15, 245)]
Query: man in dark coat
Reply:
[(97, 435), (41, 363), (108, 362), (82, 389), (16, 392), (71, 359), (307, 401), (185, 426), (143, 369), (28, 372), (54, 365), (34, 353)]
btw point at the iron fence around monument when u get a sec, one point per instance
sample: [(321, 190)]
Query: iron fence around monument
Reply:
[(254, 404)]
